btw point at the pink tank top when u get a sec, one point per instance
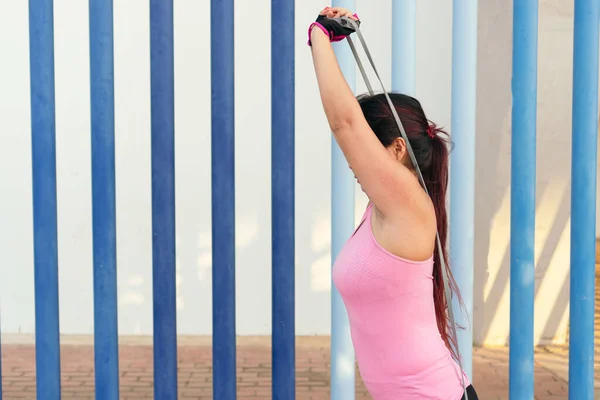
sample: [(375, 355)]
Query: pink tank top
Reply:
[(389, 300)]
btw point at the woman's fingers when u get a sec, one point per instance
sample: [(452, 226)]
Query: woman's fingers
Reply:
[(337, 12)]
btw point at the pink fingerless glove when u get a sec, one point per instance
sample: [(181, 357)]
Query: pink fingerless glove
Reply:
[(334, 31)]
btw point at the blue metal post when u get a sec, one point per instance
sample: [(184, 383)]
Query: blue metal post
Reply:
[(223, 198), (462, 193), (163, 199), (522, 218), (282, 191), (106, 346), (342, 226), (583, 199), (43, 145), (404, 46)]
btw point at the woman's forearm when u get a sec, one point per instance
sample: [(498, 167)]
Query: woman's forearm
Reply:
[(341, 107)]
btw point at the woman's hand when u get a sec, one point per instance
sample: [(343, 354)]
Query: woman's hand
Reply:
[(332, 29), (337, 12)]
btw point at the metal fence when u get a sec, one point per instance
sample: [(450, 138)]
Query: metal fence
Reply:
[(464, 68)]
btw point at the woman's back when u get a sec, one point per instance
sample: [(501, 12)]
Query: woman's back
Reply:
[(389, 300)]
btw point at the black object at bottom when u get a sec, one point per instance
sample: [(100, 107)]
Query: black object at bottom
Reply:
[(471, 392)]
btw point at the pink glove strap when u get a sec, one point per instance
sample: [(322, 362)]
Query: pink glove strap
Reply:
[(310, 28)]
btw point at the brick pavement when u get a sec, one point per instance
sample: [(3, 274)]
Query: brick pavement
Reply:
[(254, 372)]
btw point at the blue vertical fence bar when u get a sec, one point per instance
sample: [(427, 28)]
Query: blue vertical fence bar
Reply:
[(522, 215), (404, 46), (342, 226), (583, 199), (45, 241), (223, 198), (462, 179), (282, 191), (163, 199), (106, 347)]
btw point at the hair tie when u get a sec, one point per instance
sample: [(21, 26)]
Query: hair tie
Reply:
[(431, 131)]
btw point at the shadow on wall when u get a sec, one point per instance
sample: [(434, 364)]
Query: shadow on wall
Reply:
[(492, 213)]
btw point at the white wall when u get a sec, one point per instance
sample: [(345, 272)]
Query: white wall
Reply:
[(313, 144), (552, 234)]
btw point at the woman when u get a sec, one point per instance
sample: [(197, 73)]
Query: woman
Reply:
[(389, 272)]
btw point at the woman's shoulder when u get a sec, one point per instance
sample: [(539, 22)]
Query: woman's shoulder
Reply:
[(408, 235)]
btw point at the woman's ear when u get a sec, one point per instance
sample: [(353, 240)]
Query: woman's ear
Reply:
[(399, 146)]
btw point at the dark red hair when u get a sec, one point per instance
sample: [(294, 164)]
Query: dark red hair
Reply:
[(430, 145)]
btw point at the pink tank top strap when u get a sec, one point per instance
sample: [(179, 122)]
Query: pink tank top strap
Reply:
[(364, 217)]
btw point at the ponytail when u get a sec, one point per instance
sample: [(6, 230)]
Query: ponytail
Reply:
[(436, 180)]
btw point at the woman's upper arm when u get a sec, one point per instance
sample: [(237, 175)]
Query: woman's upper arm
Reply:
[(386, 181)]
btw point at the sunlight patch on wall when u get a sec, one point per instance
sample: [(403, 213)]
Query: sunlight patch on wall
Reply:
[(320, 274), (132, 295), (204, 240), (550, 279), (320, 270), (246, 229), (321, 234), (132, 298), (135, 280), (499, 243), (204, 262), (497, 334), (546, 213), (549, 293)]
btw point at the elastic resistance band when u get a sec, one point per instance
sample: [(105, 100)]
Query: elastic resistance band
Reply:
[(350, 23)]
